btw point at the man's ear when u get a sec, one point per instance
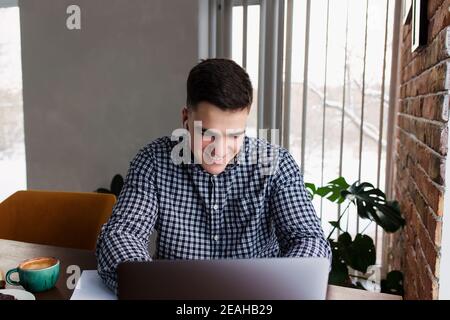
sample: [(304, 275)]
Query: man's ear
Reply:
[(184, 116)]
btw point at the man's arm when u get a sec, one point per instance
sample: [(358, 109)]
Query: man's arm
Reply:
[(297, 226), (125, 236)]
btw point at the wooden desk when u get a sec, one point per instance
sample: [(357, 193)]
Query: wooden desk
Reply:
[(14, 252)]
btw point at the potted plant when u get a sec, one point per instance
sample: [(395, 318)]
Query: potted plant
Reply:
[(359, 253), (115, 188)]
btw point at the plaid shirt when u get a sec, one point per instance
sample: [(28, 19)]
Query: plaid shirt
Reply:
[(241, 213)]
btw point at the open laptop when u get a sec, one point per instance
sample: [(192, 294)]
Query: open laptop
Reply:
[(231, 279)]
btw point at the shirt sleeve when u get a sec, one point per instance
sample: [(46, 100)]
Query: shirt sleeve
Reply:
[(125, 237), (297, 226)]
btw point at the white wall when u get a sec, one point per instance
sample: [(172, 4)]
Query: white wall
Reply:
[(93, 97)]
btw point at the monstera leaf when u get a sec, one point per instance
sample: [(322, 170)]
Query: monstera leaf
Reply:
[(116, 186), (361, 253), (371, 204), (332, 191), (358, 254), (311, 188), (336, 225), (339, 270)]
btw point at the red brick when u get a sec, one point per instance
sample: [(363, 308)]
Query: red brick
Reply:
[(435, 107), (433, 134), (410, 275), (433, 6), (418, 200), (438, 50), (421, 143), (433, 224), (425, 244), (432, 162), (427, 278), (433, 194), (440, 20), (433, 80)]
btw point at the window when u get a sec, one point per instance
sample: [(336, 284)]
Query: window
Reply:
[(248, 56), (347, 73), (340, 52), (12, 148)]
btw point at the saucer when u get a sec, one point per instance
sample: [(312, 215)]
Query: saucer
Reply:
[(19, 294)]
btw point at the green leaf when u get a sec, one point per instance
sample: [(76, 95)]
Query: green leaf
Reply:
[(336, 224), (339, 271), (311, 188), (116, 185), (102, 190), (333, 190), (361, 253), (339, 274), (344, 240), (371, 204), (393, 284)]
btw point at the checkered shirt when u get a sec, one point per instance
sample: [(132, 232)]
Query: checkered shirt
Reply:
[(253, 209)]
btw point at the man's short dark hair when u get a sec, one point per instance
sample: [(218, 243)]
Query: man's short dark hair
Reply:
[(221, 82)]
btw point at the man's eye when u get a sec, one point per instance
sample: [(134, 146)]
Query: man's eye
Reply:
[(207, 135)]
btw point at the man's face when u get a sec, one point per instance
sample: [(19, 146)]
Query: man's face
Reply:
[(216, 135)]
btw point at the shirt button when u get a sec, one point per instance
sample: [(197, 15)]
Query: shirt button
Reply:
[(216, 237), (215, 207)]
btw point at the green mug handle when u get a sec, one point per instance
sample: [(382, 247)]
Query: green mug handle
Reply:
[(8, 277)]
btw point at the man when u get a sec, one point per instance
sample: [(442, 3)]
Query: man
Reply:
[(210, 197)]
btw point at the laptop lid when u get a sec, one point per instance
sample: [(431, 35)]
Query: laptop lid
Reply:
[(231, 279)]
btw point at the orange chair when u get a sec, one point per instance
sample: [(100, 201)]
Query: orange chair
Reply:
[(65, 219)]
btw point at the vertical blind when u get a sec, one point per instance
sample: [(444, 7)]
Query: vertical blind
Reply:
[(322, 70)]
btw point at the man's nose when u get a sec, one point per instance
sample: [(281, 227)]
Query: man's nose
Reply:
[(220, 148)]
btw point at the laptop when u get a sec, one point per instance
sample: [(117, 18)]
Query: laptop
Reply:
[(230, 279)]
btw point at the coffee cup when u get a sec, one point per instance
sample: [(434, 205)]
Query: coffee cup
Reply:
[(36, 275)]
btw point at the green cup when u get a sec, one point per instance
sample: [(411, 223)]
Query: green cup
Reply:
[(36, 275)]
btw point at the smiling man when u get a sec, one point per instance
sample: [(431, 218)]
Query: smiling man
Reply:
[(213, 192)]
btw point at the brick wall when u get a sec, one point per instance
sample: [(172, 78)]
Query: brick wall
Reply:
[(421, 153)]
